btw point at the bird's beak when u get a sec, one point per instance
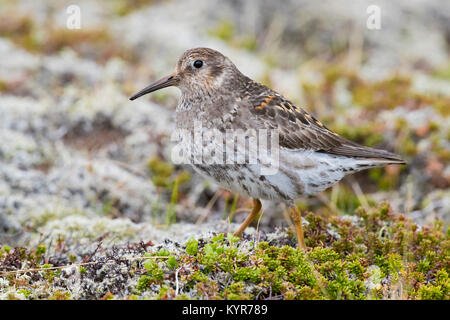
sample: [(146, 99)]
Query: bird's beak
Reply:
[(165, 82)]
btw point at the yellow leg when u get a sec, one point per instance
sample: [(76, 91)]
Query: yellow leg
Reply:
[(256, 208), (296, 218)]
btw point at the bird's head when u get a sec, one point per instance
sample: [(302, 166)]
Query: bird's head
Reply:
[(198, 71)]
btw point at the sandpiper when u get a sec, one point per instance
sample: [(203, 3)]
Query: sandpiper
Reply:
[(311, 158)]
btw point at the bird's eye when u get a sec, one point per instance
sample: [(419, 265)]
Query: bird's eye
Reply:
[(198, 63)]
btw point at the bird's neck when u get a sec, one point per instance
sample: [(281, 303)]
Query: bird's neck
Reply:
[(195, 110), (192, 101), (209, 105)]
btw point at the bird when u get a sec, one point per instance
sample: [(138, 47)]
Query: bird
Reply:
[(309, 157)]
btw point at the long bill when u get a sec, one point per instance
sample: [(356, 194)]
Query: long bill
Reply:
[(165, 82)]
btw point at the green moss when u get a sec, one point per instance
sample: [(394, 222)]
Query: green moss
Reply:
[(198, 276), (438, 290), (192, 246), (236, 292), (377, 254), (165, 293), (154, 272), (163, 253), (172, 262), (286, 271), (4, 250), (144, 283), (321, 255), (60, 295), (26, 292)]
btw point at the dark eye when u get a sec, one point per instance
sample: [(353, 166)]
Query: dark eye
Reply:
[(198, 63)]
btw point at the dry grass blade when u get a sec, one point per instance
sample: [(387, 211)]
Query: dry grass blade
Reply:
[(209, 207)]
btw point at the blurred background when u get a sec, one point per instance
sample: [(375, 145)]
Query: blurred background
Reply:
[(79, 160)]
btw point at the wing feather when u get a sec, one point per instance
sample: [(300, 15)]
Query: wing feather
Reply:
[(299, 130)]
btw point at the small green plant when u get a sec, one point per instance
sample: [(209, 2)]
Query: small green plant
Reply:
[(192, 247), (172, 262)]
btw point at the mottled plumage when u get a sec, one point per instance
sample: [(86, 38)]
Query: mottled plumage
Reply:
[(218, 96)]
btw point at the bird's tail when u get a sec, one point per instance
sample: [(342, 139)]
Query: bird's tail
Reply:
[(368, 155)]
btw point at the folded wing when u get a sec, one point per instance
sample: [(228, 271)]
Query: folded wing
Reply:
[(298, 130)]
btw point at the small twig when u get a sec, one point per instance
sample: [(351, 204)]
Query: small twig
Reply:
[(243, 210), (99, 244), (176, 282), (79, 264), (127, 167)]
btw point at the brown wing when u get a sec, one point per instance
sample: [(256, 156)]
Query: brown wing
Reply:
[(298, 130)]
